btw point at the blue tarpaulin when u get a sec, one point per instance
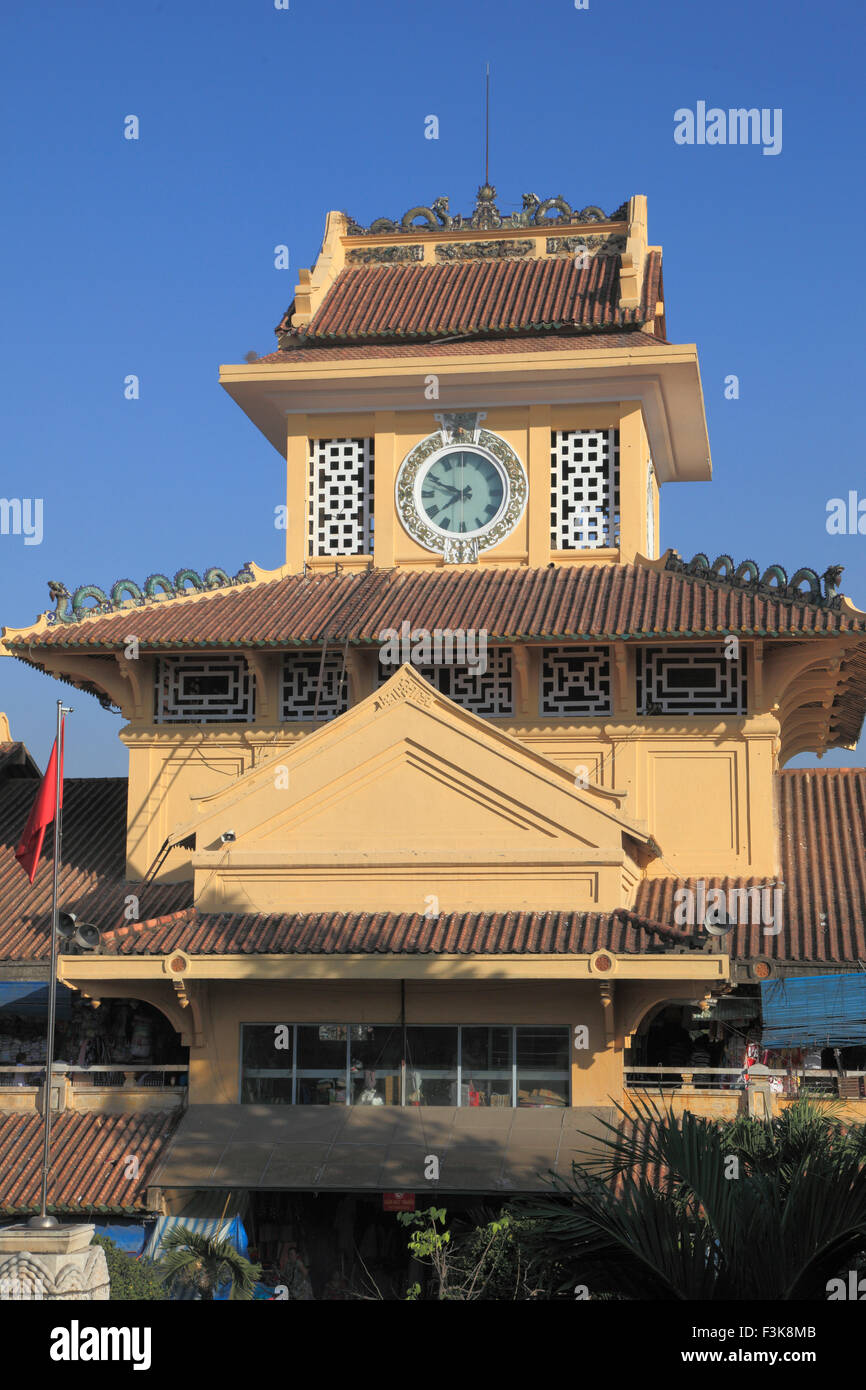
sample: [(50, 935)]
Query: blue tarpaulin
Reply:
[(130, 1236), (821, 1010), (30, 997)]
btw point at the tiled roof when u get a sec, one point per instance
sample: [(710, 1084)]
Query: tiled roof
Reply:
[(15, 761), (580, 602), (381, 933), (92, 872), (88, 1160), (485, 347), (822, 817), (822, 822), (510, 297), (822, 826)]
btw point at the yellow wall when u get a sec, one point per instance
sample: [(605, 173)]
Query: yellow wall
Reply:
[(525, 428), (666, 768), (596, 1072)]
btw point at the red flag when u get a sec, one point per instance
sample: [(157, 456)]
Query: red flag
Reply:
[(41, 814)]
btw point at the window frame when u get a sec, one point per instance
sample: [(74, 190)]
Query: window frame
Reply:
[(460, 1027)]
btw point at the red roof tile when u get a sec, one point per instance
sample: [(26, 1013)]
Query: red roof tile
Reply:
[(478, 297), (580, 602), (378, 933), (92, 873), (822, 818), (823, 856), (543, 342), (88, 1160), (822, 827)]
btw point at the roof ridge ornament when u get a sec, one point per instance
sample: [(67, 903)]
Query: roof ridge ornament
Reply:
[(486, 216), (773, 583), (72, 608)]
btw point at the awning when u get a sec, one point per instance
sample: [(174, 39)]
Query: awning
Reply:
[(343, 1148), (29, 998), (824, 1010)]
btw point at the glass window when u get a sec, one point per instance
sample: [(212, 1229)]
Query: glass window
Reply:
[(374, 1064), (321, 1064), (431, 1066), (267, 1055), (486, 1066), (363, 1064), (542, 1066)]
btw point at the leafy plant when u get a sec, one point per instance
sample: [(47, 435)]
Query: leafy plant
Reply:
[(131, 1278), (206, 1264), (662, 1213), (808, 1129), (428, 1245), (485, 1261)]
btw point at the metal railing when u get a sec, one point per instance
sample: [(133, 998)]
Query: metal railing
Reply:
[(167, 1077), (688, 1078)]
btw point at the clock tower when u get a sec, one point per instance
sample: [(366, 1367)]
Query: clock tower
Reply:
[(430, 795), (491, 390)]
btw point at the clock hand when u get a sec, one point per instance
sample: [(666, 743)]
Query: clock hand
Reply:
[(449, 501)]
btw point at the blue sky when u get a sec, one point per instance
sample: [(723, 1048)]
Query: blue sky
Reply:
[(155, 257)]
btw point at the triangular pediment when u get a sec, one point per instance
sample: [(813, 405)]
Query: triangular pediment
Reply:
[(408, 767), (408, 778)]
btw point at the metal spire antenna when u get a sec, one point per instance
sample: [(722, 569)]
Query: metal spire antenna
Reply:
[(487, 130)]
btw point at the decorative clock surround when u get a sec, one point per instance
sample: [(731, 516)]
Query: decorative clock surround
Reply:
[(495, 466)]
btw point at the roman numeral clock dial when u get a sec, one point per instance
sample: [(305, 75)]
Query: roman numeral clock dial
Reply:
[(473, 494), (462, 492)]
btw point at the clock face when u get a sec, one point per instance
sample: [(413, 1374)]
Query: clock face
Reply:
[(461, 492)]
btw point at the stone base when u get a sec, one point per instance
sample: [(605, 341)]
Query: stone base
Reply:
[(57, 1264)]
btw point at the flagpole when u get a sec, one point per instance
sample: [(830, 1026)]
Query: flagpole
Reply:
[(43, 1221)]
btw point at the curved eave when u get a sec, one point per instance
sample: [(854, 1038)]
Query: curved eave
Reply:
[(824, 707)]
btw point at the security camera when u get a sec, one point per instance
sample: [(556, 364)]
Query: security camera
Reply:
[(228, 837)]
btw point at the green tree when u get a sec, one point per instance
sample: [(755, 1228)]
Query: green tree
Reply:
[(491, 1261), (131, 1278), (679, 1207), (485, 1261), (428, 1245), (206, 1264)]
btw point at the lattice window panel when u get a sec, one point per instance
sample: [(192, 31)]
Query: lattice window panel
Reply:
[(340, 507), (490, 694), (584, 489), (300, 679), (690, 680), (203, 690), (575, 680)]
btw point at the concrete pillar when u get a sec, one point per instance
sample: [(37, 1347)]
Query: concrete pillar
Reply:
[(58, 1264), (759, 1096)]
